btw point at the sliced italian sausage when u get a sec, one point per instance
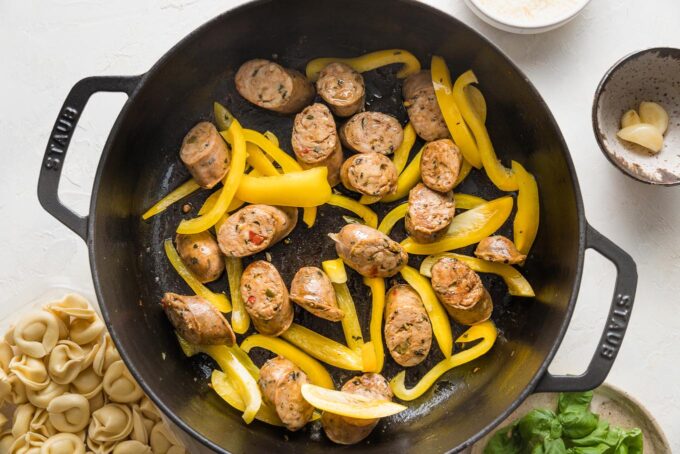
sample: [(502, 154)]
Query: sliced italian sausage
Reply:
[(429, 213), (342, 88), (201, 254), (254, 228), (461, 291), (196, 320), (370, 174), (498, 248), (422, 108), (345, 430), (265, 297), (372, 132), (368, 251), (315, 141), (281, 383), (408, 332), (205, 154), (440, 165), (271, 86), (312, 289)]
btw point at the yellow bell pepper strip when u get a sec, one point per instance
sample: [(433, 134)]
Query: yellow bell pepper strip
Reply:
[(316, 373), (212, 200), (407, 180), (223, 117), (368, 358), (183, 190), (271, 137), (441, 327), (335, 269), (322, 348), (219, 300), (368, 62), (348, 404), (467, 201), (441, 79), (309, 216), (499, 175), (466, 228), (477, 101), (223, 386), (377, 286), (231, 183), (365, 213), (517, 284), (240, 320), (259, 161), (527, 217), (465, 169), (485, 331), (391, 218), (350, 322), (308, 188)]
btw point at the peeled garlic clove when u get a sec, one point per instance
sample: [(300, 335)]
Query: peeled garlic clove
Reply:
[(655, 115), (643, 134), (630, 118)]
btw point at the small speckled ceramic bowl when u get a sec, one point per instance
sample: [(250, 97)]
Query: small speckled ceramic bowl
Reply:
[(648, 75)]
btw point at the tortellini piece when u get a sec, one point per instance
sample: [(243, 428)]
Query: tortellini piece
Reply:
[(5, 386), (119, 384), (17, 394), (87, 383), (105, 356), (37, 333), (162, 440), (69, 413), (30, 371), (6, 440), (65, 362), (72, 305), (43, 397), (149, 410), (112, 422), (132, 447), (63, 443), (98, 401), (29, 443), (140, 429), (6, 355)]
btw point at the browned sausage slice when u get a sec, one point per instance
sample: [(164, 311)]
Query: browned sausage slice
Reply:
[(498, 248), (254, 228), (196, 320), (422, 108), (281, 383), (312, 289), (265, 297), (372, 132), (201, 254), (429, 213), (271, 86), (315, 141), (342, 88), (408, 332), (347, 431), (369, 173), (461, 291), (440, 165), (368, 251), (205, 154)]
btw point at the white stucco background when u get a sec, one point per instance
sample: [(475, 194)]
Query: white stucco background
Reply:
[(46, 46)]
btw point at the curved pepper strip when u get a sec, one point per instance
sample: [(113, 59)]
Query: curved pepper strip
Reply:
[(467, 201), (485, 331), (441, 327), (465, 169), (335, 269), (219, 300), (499, 175), (240, 320), (466, 228), (517, 284), (212, 200), (391, 218), (232, 180), (348, 404), (368, 62), (308, 188), (365, 213), (224, 387), (316, 373), (407, 180), (259, 161), (350, 321), (477, 101), (322, 348), (377, 286), (525, 226), (183, 190), (223, 117), (441, 80), (271, 137)]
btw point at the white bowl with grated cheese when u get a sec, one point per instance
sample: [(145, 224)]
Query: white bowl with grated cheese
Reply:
[(526, 16)]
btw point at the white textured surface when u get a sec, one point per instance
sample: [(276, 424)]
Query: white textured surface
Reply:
[(45, 47)]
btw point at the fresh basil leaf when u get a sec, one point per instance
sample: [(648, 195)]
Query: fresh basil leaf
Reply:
[(538, 425), (630, 441), (597, 449), (577, 423), (550, 446), (574, 401), (505, 441)]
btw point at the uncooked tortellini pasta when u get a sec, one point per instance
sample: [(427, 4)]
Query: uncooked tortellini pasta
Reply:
[(140, 432), (37, 333), (17, 394), (6, 355), (64, 443), (90, 352), (149, 410), (69, 413), (97, 447), (43, 397), (65, 362), (112, 422), (162, 439), (3, 421), (98, 401), (30, 371), (5, 386), (105, 355), (6, 440), (87, 383), (72, 305), (21, 422), (29, 443), (119, 384), (132, 447), (86, 330)]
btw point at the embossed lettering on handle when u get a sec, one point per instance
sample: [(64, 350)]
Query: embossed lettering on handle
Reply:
[(616, 327), (63, 131)]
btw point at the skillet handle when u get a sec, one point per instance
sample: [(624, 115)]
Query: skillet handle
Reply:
[(60, 138), (617, 321)]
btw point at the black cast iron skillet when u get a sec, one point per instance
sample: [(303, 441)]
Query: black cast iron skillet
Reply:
[(140, 163)]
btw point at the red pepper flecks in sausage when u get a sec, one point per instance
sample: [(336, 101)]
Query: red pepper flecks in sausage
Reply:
[(315, 141), (369, 173), (422, 107), (254, 228), (205, 154), (372, 132), (368, 251), (440, 165), (312, 289), (461, 291), (429, 213), (408, 332), (266, 299), (271, 86), (196, 320), (281, 383), (342, 88), (201, 254), (498, 248)]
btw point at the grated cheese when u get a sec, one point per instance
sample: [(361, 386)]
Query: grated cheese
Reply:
[(529, 12)]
